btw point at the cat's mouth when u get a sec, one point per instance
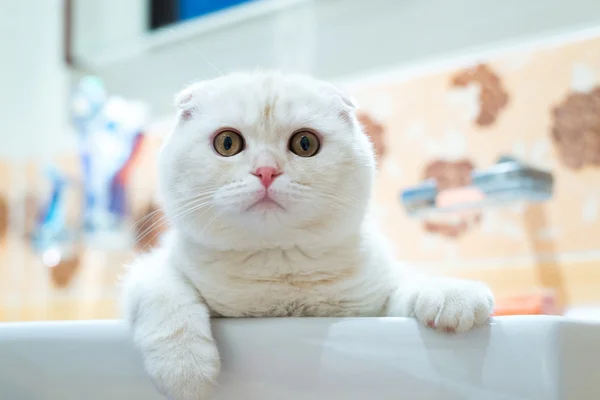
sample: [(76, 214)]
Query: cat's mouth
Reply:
[(265, 203)]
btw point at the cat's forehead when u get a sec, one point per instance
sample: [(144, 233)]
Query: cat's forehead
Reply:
[(251, 100), (268, 88)]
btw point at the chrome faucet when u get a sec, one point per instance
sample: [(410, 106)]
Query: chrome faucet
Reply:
[(507, 182)]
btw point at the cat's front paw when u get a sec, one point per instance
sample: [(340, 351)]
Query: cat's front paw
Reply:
[(182, 371), (453, 305)]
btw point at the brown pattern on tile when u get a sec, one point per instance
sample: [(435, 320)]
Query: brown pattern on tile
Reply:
[(576, 129), (149, 229), (492, 98), (451, 175), (32, 212), (63, 273), (3, 217), (375, 131)]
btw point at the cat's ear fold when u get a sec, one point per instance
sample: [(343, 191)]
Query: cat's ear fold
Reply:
[(348, 104), (185, 98), (184, 101), (347, 100)]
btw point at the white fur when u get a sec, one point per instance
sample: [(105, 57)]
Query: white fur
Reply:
[(318, 256)]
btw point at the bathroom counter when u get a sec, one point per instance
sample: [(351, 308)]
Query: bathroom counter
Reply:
[(545, 358)]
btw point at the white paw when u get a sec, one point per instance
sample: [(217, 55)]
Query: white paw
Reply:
[(181, 371), (453, 305)]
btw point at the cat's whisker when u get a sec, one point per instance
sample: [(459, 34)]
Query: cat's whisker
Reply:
[(190, 207), (217, 215), (145, 218), (160, 220), (146, 233), (206, 207), (212, 65), (185, 211), (152, 239), (182, 206), (337, 199), (196, 196), (206, 60)]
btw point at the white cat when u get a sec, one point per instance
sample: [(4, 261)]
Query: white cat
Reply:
[(266, 181)]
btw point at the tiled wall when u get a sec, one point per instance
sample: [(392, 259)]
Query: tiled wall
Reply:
[(541, 106), (85, 285)]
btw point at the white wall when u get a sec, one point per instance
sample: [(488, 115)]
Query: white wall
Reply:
[(33, 79), (327, 38), (100, 25)]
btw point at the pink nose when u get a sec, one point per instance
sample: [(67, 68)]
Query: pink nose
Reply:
[(267, 175)]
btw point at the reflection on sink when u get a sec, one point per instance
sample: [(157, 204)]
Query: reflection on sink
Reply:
[(545, 358)]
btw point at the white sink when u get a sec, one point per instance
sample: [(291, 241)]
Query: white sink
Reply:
[(543, 358)]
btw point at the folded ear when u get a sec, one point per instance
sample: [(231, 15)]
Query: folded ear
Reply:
[(347, 103), (184, 101), (184, 98), (347, 100)]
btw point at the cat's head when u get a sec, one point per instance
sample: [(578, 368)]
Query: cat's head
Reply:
[(265, 160)]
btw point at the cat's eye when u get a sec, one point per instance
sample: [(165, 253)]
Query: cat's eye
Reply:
[(304, 144), (228, 143)]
